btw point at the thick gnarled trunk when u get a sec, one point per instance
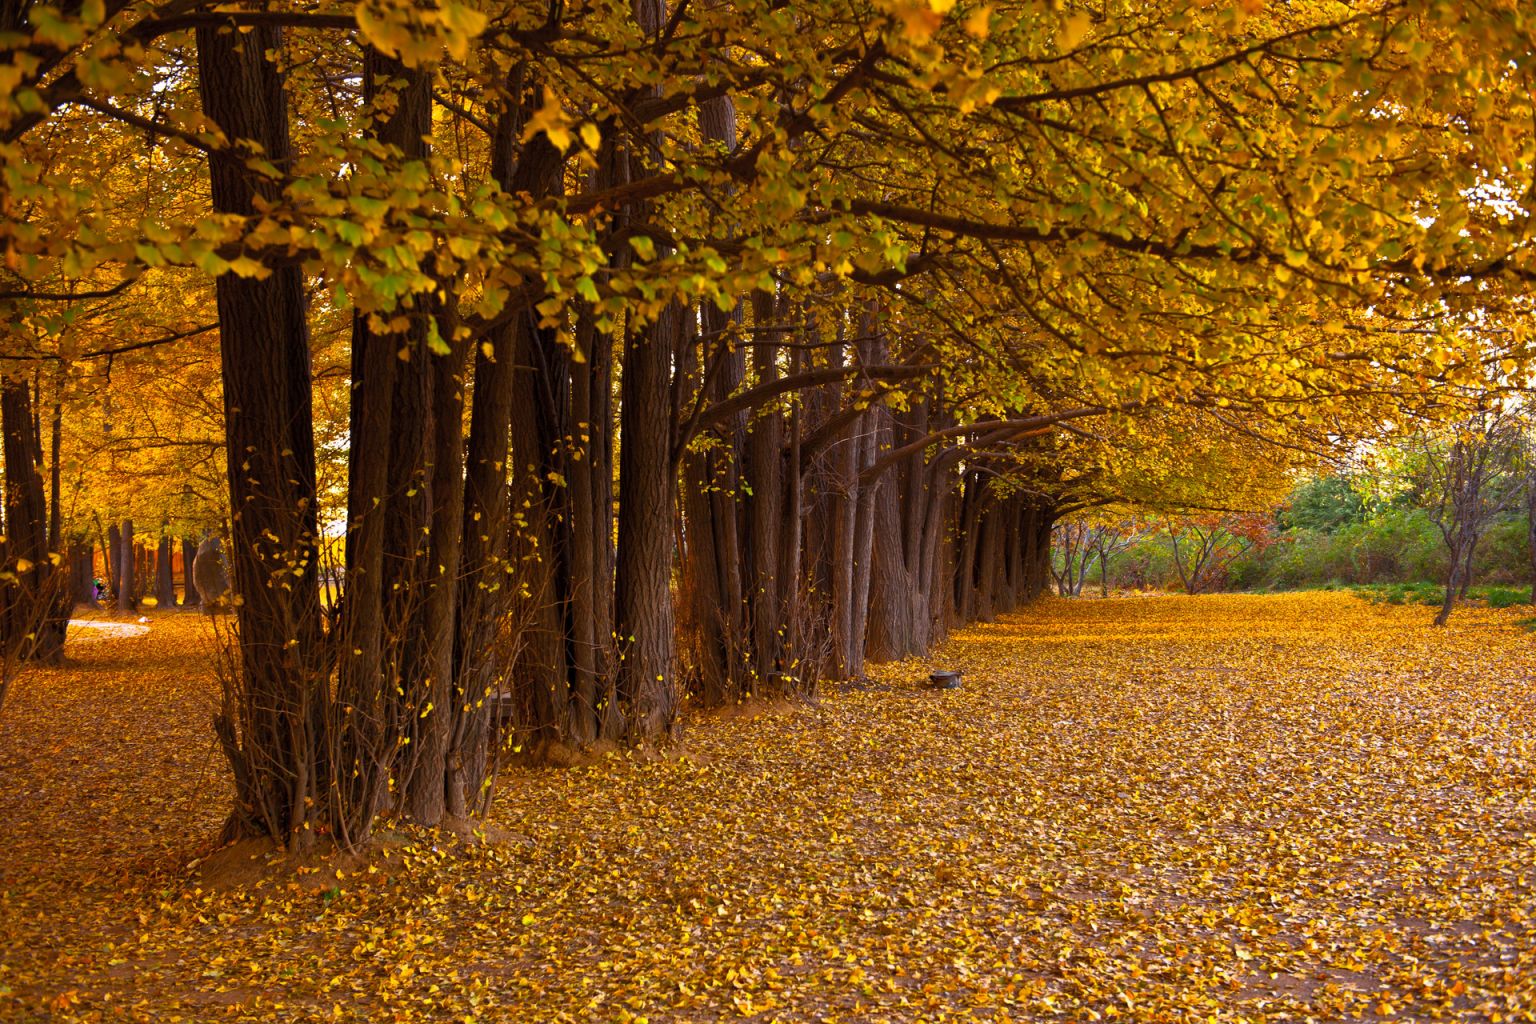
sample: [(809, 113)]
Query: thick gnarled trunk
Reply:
[(268, 724)]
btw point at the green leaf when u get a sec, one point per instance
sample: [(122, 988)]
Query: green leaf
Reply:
[(644, 247)]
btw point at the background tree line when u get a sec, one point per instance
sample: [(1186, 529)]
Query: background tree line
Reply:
[(1447, 507)]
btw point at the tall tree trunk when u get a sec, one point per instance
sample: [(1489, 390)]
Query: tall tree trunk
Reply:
[(268, 725), (165, 582), (423, 484), (932, 574), (55, 481), (890, 605), (190, 598), (553, 671), (425, 793), (485, 581), (127, 566), (791, 656), (703, 561), (82, 561), (713, 482), (144, 556), (111, 557), (646, 681), (365, 685), (1042, 519), (844, 480), (36, 599), (539, 551), (863, 552), (989, 558), (596, 715), (484, 584), (1012, 582), (765, 503)]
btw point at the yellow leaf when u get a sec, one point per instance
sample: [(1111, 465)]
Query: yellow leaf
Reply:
[(244, 266), (462, 24), (551, 120), (918, 21), (979, 22), (1074, 30)]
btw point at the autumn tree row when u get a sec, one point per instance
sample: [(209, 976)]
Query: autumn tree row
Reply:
[(612, 353)]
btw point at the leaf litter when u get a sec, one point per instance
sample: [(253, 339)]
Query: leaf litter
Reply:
[(1235, 808)]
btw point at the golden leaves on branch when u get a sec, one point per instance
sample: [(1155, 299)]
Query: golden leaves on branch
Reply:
[(417, 35)]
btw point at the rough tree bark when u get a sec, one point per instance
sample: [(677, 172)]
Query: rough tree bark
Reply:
[(127, 566), (712, 489), (764, 475), (646, 680), (35, 610), (111, 557), (541, 548), (82, 561), (165, 582), (270, 723), (189, 595), (596, 715)]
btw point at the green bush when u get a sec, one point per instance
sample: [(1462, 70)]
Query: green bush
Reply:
[(1505, 597), (1504, 554), (1397, 555), (1401, 593), (1323, 505), (1145, 564), (1395, 546)]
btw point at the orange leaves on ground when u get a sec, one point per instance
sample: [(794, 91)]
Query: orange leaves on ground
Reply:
[(1229, 808)]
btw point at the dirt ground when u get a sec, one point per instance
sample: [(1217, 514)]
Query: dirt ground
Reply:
[(1299, 807)]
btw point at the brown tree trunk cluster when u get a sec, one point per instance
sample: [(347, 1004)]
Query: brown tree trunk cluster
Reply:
[(563, 527)]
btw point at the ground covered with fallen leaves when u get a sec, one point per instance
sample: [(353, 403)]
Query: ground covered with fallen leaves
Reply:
[(1151, 809)]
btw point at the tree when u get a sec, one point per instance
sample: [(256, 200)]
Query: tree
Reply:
[(1112, 539), (1469, 477), (1324, 503), (1205, 546), (34, 588), (271, 725), (1077, 541), (817, 316)]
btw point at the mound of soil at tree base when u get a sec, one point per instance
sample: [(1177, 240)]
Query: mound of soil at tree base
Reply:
[(249, 864)]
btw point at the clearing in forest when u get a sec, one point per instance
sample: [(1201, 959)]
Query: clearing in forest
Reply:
[(1229, 808)]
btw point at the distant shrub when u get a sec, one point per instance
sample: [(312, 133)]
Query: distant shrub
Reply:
[(1504, 556), (1397, 553), (1323, 505), (1505, 597)]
